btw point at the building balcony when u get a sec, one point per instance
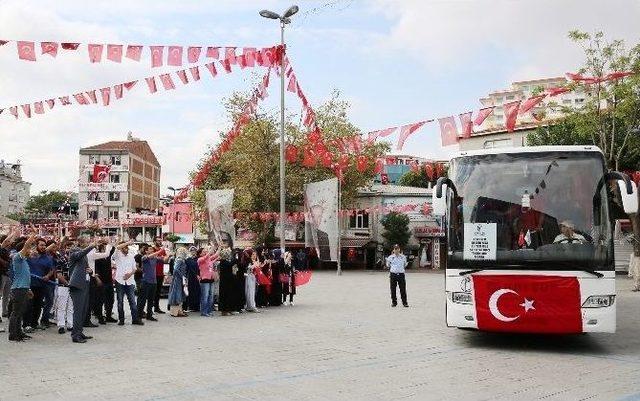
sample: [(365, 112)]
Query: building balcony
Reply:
[(112, 203)]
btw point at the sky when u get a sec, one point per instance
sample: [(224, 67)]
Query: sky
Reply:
[(396, 62)]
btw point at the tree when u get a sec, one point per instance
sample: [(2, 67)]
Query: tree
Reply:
[(46, 202), (251, 166), (396, 229), (422, 177)]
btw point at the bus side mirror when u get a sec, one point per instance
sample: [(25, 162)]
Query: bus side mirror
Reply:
[(629, 195), (439, 204)]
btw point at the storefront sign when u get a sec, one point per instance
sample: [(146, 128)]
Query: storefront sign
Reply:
[(480, 241), (428, 231)]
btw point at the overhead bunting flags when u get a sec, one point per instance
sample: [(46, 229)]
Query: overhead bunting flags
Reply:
[(466, 124), (511, 114), (530, 103), (50, 48), (448, 131), (372, 136), (483, 113), (407, 130)]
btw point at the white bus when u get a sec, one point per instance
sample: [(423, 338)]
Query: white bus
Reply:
[(530, 239)]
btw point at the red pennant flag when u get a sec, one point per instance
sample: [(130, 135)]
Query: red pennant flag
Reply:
[(448, 131), (114, 53), (195, 73), (69, 46), (26, 50), (226, 65), (50, 103), (130, 84), (511, 114), (80, 99), (14, 110), (557, 91), (466, 124), (428, 169), (230, 54), (64, 100), (249, 54), (293, 83), (361, 163), (26, 109), (117, 89), (134, 52), (175, 56), (151, 83), (574, 77), (193, 53), (482, 115), (530, 103), (106, 94), (213, 52), (327, 159), (182, 74), (50, 48), (167, 82), (617, 75), (156, 55), (406, 131), (527, 303), (92, 96), (212, 69), (3, 42), (373, 135), (291, 153), (309, 159), (95, 52), (38, 108)]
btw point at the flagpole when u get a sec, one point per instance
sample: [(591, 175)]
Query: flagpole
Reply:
[(339, 271)]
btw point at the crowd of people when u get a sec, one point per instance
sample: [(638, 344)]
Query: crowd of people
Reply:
[(66, 282)]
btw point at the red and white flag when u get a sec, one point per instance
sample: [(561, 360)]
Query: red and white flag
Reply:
[(212, 69), (175, 56), (69, 46), (95, 52), (182, 74), (249, 54), (511, 114), (64, 100), (557, 91), (81, 99), (466, 124), (230, 54), (293, 83), (92, 96), (372, 136), (530, 103), (38, 108), (226, 65), (26, 50), (167, 82), (195, 73), (151, 83), (482, 115), (117, 90), (213, 52), (50, 48), (106, 95), (134, 52), (156, 55), (407, 130), (617, 75), (50, 103), (527, 303), (114, 53), (193, 53), (14, 110), (130, 84), (448, 131), (101, 173), (26, 109)]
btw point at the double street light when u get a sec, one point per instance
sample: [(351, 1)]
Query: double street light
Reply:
[(284, 19), (173, 209)]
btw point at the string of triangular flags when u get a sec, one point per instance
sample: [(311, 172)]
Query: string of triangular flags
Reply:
[(105, 95), (174, 55), (449, 133)]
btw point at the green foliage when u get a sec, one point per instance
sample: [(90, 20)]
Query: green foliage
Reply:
[(45, 202), (396, 229), (414, 179), (171, 237)]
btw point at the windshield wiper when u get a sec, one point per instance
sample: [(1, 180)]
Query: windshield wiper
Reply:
[(464, 273)]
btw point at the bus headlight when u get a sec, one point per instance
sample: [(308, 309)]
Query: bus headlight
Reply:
[(599, 301), (461, 298)]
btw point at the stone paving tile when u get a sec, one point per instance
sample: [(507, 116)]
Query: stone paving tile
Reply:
[(341, 341)]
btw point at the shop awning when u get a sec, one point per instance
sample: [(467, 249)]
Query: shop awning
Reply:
[(354, 242)]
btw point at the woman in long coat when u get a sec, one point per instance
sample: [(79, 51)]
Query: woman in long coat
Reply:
[(275, 298), (288, 279), (192, 301), (176, 291), (228, 270)]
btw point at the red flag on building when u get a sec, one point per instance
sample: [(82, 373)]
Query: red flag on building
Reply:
[(530, 103), (466, 124), (448, 131), (482, 115), (527, 304), (406, 131), (101, 173), (511, 114)]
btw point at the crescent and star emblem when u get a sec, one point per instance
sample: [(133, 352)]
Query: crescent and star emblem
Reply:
[(495, 311)]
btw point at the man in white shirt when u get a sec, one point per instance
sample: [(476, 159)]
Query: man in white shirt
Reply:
[(125, 282), (568, 235), (396, 263)]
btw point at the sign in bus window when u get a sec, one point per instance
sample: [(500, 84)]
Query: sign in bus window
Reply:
[(480, 241)]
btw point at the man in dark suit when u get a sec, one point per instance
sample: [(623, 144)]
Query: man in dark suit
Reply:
[(80, 273)]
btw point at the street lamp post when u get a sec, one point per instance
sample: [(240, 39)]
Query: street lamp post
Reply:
[(284, 19), (173, 209)]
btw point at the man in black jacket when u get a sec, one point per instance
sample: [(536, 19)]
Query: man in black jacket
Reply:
[(80, 274)]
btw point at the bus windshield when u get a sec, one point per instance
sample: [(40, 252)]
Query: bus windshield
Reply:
[(533, 211)]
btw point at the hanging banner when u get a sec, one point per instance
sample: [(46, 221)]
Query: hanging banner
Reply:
[(100, 173), (220, 218), (321, 218)]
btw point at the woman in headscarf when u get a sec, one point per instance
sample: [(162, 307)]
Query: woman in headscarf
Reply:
[(288, 279), (207, 276), (228, 270), (243, 261), (192, 300), (176, 291), (263, 276), (275, 298)]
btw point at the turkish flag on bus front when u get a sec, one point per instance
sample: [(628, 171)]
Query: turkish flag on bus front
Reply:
[(527, 303)]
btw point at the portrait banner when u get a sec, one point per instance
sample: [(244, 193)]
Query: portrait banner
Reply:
[(321, 218), (220, 217)]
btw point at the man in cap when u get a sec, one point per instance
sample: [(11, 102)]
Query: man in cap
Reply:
[(568, 235)]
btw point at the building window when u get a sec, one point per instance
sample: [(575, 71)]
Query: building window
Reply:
[(113, 214), (114, 178), (94, 159), (93, 196), (497, 143), (114, 196), (116, 160), (92, 214), (359, 221)]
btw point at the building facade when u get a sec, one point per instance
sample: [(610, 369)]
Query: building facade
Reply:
[(129, 192), (396, 166), (14, 191)]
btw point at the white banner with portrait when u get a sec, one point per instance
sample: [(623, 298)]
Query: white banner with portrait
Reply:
[(321, 218), (220, 217)]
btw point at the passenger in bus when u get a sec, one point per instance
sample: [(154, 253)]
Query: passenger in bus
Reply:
[(568, 235)]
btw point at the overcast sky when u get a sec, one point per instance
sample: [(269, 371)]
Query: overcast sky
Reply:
[(396, 62)]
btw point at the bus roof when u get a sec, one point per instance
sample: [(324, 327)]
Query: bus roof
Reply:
[(527, 149)]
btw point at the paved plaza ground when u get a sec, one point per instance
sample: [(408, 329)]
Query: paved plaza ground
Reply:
[(342, 340)]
